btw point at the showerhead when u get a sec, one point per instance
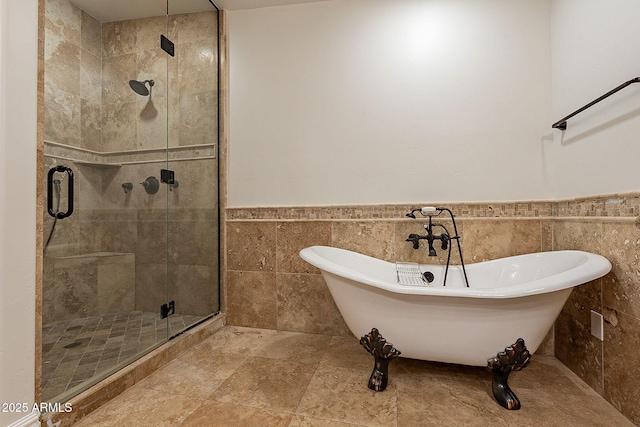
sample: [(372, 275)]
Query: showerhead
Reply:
[(140, 87)]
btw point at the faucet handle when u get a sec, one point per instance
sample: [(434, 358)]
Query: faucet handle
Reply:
[(445, 242), (415, 239)]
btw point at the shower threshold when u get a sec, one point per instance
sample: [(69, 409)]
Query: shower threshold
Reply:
[(74, 352)]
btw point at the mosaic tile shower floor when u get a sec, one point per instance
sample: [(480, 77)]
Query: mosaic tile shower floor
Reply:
[(75, 350), (256, 377)]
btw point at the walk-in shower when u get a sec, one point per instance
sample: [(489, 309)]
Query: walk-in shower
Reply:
[(141, 87), (125, 271)]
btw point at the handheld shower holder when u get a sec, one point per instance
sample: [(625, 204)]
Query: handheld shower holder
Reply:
[(425, 211)]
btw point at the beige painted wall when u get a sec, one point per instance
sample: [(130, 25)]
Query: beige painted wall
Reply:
[(371, 101), (18, 118), (351, 101), (592, 54)]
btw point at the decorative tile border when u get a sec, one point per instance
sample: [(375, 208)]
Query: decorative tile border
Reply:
[(395, 211), (613, 205), (130, 157)]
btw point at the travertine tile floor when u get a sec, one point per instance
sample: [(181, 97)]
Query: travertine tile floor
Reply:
[(75, 351), (255, 377)]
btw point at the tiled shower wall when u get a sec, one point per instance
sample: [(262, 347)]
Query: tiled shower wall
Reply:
[(269, 286), (109, 135), (88, 65)]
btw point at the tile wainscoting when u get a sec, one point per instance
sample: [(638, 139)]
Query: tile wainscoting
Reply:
[(269, 286)]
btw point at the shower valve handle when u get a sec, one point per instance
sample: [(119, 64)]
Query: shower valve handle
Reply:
[(151, 185)]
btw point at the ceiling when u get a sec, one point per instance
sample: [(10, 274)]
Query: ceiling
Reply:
[(120, 10)]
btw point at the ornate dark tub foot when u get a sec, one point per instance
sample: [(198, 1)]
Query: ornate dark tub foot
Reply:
[(513, 358), (383, 353)]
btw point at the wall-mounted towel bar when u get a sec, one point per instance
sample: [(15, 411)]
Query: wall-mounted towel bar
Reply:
[(562, 123)]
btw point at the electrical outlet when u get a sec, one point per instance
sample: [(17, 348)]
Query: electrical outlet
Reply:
[(597, 325)]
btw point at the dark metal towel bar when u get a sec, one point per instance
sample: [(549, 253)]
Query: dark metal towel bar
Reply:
[(562, 123)]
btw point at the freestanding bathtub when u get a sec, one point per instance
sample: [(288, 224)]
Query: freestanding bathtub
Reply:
[(507, 299)]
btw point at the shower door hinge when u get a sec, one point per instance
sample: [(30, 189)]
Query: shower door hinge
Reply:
[(167, 309), (167, 45), (167, 176)]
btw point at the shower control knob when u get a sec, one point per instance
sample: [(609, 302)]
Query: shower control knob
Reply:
[(151, 185)]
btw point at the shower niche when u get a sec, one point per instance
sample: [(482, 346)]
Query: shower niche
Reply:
[(118, 111)]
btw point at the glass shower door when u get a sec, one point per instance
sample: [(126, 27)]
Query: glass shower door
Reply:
[(193, 215), (105, 216), (131, 184)]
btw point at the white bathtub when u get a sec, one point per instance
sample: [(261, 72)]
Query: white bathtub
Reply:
[(507, 299)]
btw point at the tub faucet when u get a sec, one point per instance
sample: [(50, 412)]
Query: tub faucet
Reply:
[(445, 237), (430, 237)]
